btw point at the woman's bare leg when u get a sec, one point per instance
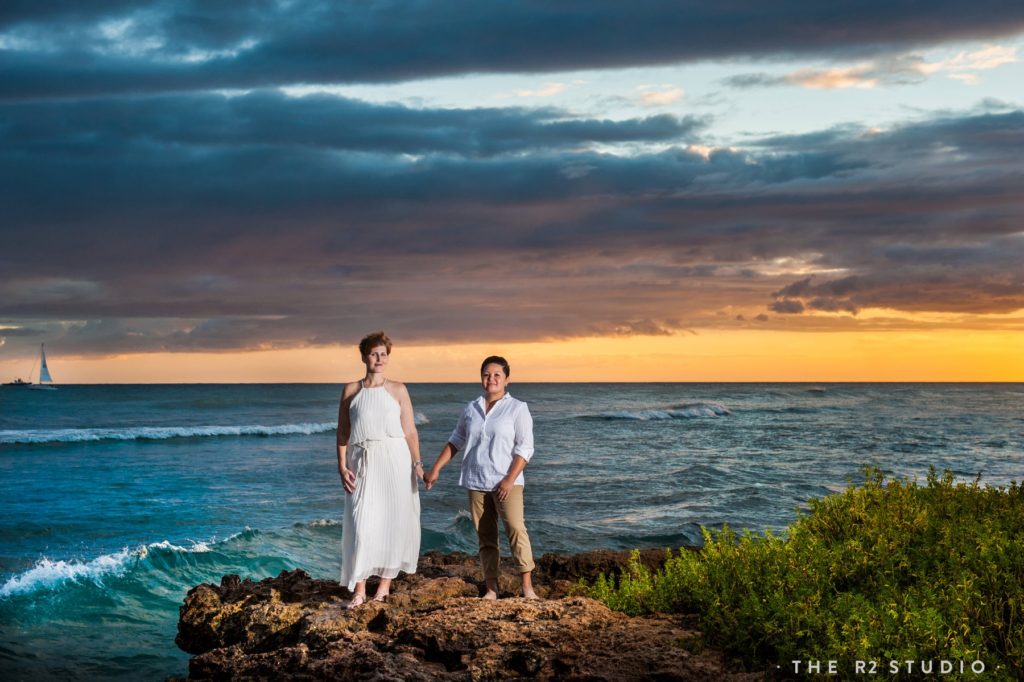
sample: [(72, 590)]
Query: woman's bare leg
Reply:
[(383, 590), (358, 596)]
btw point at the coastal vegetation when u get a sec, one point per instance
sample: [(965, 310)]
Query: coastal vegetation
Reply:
[(890, 576)]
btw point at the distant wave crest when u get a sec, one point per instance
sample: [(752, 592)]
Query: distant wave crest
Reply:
[(157, 433), (684, 411), (320, 523), (33, 436)]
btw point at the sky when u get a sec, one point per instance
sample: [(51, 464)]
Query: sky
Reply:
[(600, 191)]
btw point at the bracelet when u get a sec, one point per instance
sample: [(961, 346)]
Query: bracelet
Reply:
[(418, 464)]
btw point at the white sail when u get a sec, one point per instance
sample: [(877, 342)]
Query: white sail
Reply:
[(44, 371)]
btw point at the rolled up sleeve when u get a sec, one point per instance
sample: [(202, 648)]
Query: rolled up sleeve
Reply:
[(458, 437), (524, 433)]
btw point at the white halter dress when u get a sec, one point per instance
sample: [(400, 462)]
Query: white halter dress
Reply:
[(381, 531)]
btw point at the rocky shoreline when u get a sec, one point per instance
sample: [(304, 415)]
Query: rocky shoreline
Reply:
[(434, 627)]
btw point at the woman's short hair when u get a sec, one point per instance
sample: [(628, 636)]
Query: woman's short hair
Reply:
[(496, 360), (371, 341)]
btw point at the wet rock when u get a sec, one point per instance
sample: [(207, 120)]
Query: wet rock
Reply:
[(434, 627)]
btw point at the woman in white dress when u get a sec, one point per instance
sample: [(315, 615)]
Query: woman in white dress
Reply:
[(379, 463)]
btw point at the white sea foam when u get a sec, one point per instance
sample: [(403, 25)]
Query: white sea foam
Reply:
[(48, 574), (11, 437), (323, 522), (196, 548), (686, 411)]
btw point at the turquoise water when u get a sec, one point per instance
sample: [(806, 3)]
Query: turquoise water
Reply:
[(117, 499)]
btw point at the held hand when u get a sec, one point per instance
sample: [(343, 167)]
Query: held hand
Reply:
[(504, 488), (430, 478), (418, 472), (348, 479)]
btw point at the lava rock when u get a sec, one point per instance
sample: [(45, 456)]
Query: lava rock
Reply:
[(434, 627)]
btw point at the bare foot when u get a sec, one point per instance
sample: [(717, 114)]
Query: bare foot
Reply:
[(490, 595), (358, 599), (528, 592)]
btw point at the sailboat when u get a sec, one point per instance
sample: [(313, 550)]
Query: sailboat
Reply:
[(45, 380)]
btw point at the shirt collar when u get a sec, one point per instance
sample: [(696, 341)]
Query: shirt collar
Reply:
[(481, 402)]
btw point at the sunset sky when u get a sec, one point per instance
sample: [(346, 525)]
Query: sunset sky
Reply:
[(654, 191)]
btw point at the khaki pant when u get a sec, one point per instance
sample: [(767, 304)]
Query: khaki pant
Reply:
[(485, 508)]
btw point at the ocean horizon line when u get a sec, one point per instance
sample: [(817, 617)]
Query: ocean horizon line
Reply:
[(549, 383)]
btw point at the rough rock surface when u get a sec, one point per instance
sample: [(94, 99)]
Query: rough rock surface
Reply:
[(434, 627)]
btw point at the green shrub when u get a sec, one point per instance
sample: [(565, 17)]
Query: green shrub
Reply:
[(886, 571)]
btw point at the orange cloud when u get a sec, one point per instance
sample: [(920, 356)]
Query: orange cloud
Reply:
[(547, 90), (859, 76), (963, 67), (989, 57), (659, 95)]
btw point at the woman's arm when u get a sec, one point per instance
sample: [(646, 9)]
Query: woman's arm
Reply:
[(455, 441), (505, 487), (522, 451), (412, 436), (348, 477), (446, 455)]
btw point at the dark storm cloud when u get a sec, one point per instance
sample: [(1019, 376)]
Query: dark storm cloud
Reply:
[(212, 223), (980, 277), (220, 166), (270, 119), (787, 307), (975, 134), (804, 287), (64, 49)]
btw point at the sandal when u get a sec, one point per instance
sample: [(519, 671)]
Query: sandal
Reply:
[(383, 598), (357, 600)]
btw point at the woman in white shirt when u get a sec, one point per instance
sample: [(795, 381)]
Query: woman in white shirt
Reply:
[(495, 433)]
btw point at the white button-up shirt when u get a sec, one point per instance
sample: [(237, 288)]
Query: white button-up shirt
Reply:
[(490, 440)]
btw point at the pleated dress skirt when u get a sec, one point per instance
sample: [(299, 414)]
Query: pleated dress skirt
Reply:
[(381, 528)]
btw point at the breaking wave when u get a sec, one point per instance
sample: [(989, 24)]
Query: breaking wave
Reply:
[(48, 574)]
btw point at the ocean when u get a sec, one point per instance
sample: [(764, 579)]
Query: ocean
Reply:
[(117, 499)]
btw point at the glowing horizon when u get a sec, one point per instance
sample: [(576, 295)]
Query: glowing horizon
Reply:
[(749, 356)]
